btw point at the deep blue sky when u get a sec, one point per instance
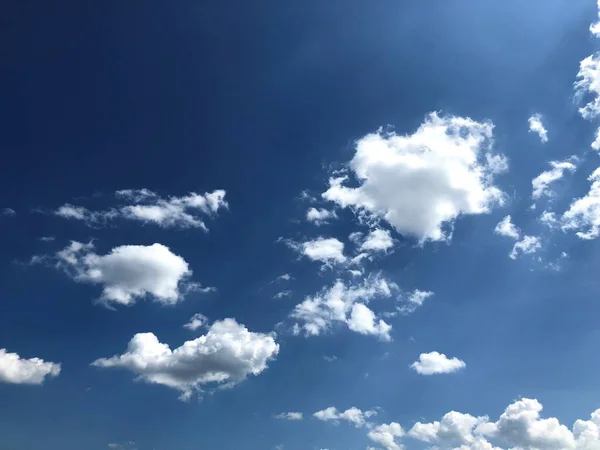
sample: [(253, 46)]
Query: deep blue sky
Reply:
[(264, 100)]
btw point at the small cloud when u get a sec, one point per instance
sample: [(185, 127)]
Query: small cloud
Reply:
[(330, 358), (437, 363), (8, 212), (320, 216), (47, 238), (282, 294), (196, 321), (284, 277), (526, 246), (536, 126), (506, 228), (289, 416)]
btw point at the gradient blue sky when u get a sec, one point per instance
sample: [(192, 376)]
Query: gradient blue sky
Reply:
[(267, 100)]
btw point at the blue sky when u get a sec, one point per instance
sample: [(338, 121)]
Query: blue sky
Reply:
[(300, 225)]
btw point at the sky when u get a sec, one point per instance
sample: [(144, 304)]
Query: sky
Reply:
[(339, 225)]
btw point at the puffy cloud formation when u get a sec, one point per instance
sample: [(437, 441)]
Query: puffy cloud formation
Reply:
[(526, 246), (455, 428), (506, 228), (584, 213), (329, 251), (387, 435), (225, 355), (17, 370), (541, 183), (290, 416), (421, 183), (353, 415), (378, 240), (129, 272), (536, 126), (146, 206), (588, 85), (320, 216), (345, 303), (435, 363)]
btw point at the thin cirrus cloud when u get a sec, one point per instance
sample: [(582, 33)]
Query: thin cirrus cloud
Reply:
[(421, 183), (128, 273), (17, 370), (143, 205), (353, 415), (435, 363), (537, 126), (290, 416), (345, 303), (226, 355)]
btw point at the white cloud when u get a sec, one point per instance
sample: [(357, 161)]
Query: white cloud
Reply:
[(526, 246), (149, 207), (320, 216), (541, 183), (387, 435), (414, 300), (47, 238), (436, 363), (506, 228), (290, 416), (421, 183), (282, 294), (595, 27), (584, 213), (378, 240), (338, 305), (352, 415), (225, 355), (548, 218), (536, 126), (329, 251), (588, 84), (455, 428), (129, 272), (17, 370), (196, 321), (284, 277), (9, 212)]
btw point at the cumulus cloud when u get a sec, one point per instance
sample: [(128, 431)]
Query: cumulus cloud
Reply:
[(506, 228), (588, 86), (387, 435), (378, 240), (541, 183), (536, 126), (421, 183), (353, 415), (320, 216), (290, 416), (436, 363), (196, 321), (345, 303), (329, 251), (17, 370), (583, 214), (526, 246), (145, 206), (129, 272), (454, 429), (225, 356)]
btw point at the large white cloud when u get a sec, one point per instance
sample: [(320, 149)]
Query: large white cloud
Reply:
[(421, 183), (345, 303), (17, 370), (146, 206), (537, 126), (225, 355), (435, 363), (541, 183), (130, 272), (584, 213)]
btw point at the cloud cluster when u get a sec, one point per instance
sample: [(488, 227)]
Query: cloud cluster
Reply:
[(345, 303), (435, 363), (421, 183), (526, 245), (129, 272), (145, 206), (225, 355), (17, 370)]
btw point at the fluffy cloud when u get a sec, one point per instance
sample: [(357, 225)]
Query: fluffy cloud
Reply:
[(17, 370), (196, 321), (421, 183), (378, 240), (506, 228), (584, 213), (526, 246), (386, 435), (353, 415), (129, 272), (541, 183), (290, 416), (225, 355), (345, 303), (455, 428), (148, 207), (536, 126), (320, 216), (588, 85), (329, 251), (435, 363)]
